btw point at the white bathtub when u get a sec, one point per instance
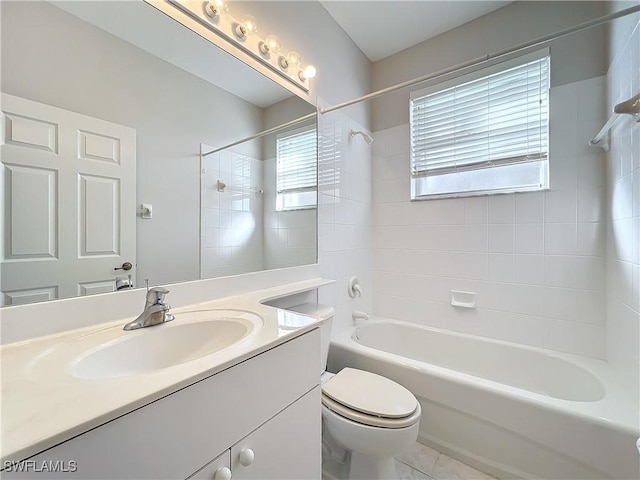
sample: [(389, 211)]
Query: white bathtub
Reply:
[(510, 410)]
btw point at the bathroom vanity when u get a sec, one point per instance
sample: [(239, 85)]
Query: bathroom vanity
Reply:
[(250, 410)]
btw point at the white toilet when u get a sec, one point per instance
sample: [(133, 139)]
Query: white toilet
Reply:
[(373, 417)]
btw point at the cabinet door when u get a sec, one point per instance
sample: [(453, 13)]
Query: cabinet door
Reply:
[(286, 447), (217, 469)]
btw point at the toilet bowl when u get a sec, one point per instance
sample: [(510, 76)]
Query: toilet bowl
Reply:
[(371, 416)]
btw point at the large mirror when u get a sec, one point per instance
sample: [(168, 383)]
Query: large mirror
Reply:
[(115, 118)]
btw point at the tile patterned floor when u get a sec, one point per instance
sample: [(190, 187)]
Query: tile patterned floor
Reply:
[(424, 463)]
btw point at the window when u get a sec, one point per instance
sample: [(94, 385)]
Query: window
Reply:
[(296, 170), (486, 132)]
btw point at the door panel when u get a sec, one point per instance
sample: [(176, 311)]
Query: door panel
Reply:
[(91, 288), (93, 146), (30, 196), (99, 216), (20, 297), (31, 132)]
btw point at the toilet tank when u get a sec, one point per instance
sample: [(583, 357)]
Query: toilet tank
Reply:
[(325, 313)]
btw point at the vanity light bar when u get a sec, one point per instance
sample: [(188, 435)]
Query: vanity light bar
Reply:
[(242, 33)]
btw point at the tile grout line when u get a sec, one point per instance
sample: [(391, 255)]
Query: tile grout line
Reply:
[(430, 475)]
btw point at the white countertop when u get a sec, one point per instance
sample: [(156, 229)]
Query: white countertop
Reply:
[(42, 407)]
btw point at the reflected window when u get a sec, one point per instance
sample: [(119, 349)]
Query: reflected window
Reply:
[(296, 169)]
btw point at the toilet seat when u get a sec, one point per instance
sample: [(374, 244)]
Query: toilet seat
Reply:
[(370, 399)]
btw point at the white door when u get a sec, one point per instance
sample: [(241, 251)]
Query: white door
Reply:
[(68, 203)]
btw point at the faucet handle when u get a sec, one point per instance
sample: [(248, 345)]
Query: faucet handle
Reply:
[(156, 295)]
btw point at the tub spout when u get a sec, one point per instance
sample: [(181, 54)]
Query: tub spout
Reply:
[(358, 314)]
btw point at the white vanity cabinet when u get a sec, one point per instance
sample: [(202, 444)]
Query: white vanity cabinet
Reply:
[(269, 404)]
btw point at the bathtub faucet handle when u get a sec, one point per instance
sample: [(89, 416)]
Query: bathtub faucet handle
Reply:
[(359, 314)]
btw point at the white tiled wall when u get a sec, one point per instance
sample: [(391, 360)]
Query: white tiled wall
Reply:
[(232, 225), (623, 202), (536, 260), (344, 214)]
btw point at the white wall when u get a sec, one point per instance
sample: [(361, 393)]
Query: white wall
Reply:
[(536, 260), (623, 200)]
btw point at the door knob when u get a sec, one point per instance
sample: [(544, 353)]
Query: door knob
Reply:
[(125, 266)]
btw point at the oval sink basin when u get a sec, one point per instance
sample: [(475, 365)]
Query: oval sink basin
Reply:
[(113, 352)]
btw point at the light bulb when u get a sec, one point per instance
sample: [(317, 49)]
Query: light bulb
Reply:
[(308, 72), (273, 42), (215, 8), (294, 59), (250, 24), (247, 26), (270, 45)]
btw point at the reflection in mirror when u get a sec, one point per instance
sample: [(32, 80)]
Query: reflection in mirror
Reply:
[(259, 202), (108, 105)]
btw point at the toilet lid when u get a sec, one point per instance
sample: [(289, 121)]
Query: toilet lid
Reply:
[(369, 393), (371, 420)]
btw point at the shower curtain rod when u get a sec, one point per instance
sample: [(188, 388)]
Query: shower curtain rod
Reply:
[(263, 133), (486, 58)]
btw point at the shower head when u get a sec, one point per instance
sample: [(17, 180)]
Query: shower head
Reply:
[(367, 138), (630, 107)]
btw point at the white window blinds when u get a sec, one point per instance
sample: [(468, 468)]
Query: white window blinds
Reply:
[(296, 162), (498, 119)]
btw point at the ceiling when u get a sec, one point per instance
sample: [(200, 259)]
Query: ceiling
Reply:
[(382, 28)]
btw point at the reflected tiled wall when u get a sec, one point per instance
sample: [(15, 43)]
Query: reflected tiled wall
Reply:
[(232, 225), (536, 260), (623, 202), (344, 215), (289, 236)]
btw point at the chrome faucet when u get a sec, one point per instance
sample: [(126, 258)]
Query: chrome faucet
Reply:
[(155, 310)]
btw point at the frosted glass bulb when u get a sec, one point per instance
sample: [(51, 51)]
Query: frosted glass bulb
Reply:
[(308, 72), (215, 8), (294, 59), (270, 45), (273, 43), (249, 24)]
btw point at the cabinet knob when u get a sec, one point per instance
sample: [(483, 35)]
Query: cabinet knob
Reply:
[(246, 457), (223, 473)]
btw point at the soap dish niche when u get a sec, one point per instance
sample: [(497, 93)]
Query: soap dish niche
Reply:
[(463, 299)]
